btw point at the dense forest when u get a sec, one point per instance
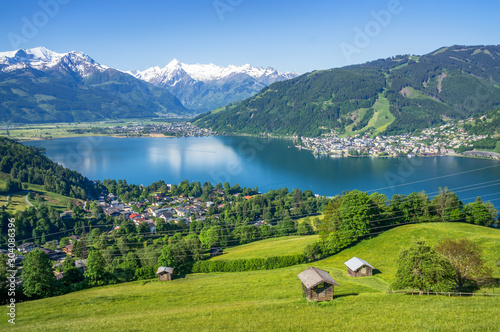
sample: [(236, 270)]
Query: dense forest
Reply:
[(27, 165), (454, 82)]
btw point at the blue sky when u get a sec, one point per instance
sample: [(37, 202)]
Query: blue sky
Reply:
[(288, 35)]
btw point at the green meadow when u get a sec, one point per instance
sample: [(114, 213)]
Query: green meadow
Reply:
[(281, 246), (272, 300)]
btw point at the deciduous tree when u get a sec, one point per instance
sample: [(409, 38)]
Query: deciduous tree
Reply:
[(421, 267), (37, 277), (466, 258), (95, 267)]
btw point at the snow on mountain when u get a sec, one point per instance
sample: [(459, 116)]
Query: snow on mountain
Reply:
[(206, 87), (210, 72), (43, 59)]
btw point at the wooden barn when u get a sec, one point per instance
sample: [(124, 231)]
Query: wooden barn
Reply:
[(165, 273), (317, 284), (356, 267)]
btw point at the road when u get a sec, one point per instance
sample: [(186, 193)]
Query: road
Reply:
[(26, 199)]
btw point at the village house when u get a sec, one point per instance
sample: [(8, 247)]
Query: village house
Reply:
[(165, 273), (74, 238), (317, 284), (66, 215), (54, 255), (356, 267), (68, 249), (81, 264), (26, 247)]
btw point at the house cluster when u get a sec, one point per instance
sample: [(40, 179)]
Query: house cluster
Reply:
[(171, 209), (444, 140), (317, 284), (58, 256), (182, 129)]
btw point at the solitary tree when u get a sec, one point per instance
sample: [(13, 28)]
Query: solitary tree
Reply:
[(421, 267), (465, 256), (37, 277)]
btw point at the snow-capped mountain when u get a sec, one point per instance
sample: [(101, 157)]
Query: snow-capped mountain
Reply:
[(43, 59), (210, 72), (39, 85), (205, 87)]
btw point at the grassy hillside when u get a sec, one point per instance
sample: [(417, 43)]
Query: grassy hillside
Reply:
[(272, 300), (281, 246), (268, 300), (382, 251)]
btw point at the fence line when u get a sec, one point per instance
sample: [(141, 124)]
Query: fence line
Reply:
[(444, 293)]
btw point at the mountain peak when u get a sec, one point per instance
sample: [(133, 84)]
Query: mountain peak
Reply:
[(41, 58), (174, 64)]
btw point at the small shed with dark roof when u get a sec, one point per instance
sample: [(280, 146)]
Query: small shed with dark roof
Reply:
[(165, 273), (317, 284), (356, 267)]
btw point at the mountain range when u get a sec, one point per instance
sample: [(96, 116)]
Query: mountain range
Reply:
[(207, 87), (38, 85), (396, 95)]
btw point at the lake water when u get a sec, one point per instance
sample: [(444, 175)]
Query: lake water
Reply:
[(269, 164)]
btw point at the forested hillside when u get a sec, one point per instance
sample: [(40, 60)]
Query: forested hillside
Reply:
[(395, 95), (28, 165)]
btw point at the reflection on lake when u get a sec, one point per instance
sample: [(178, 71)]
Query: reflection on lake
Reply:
[(269, 164)]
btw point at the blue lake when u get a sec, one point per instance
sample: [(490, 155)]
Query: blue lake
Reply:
[(269, 164)]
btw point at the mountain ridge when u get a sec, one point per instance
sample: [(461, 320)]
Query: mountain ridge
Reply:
[(395, 95), (38, 85), (203, 87)]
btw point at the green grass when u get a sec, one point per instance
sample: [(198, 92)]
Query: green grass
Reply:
[(17, 203), (59, 130), (280, 246), (382, 117), (383, 250), (311, 219), (58, 202), (272, 300)]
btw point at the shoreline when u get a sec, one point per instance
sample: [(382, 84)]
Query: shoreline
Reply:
[(156, 135)]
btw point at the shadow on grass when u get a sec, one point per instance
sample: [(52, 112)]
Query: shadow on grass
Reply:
[(376, 271), (344, 295)]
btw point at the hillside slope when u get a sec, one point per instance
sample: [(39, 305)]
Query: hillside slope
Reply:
[(273, 299), (419, 92)]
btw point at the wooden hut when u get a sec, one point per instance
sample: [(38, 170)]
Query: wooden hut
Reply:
[(165, 273), (356, 267), (214, 251), (317, 284)]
